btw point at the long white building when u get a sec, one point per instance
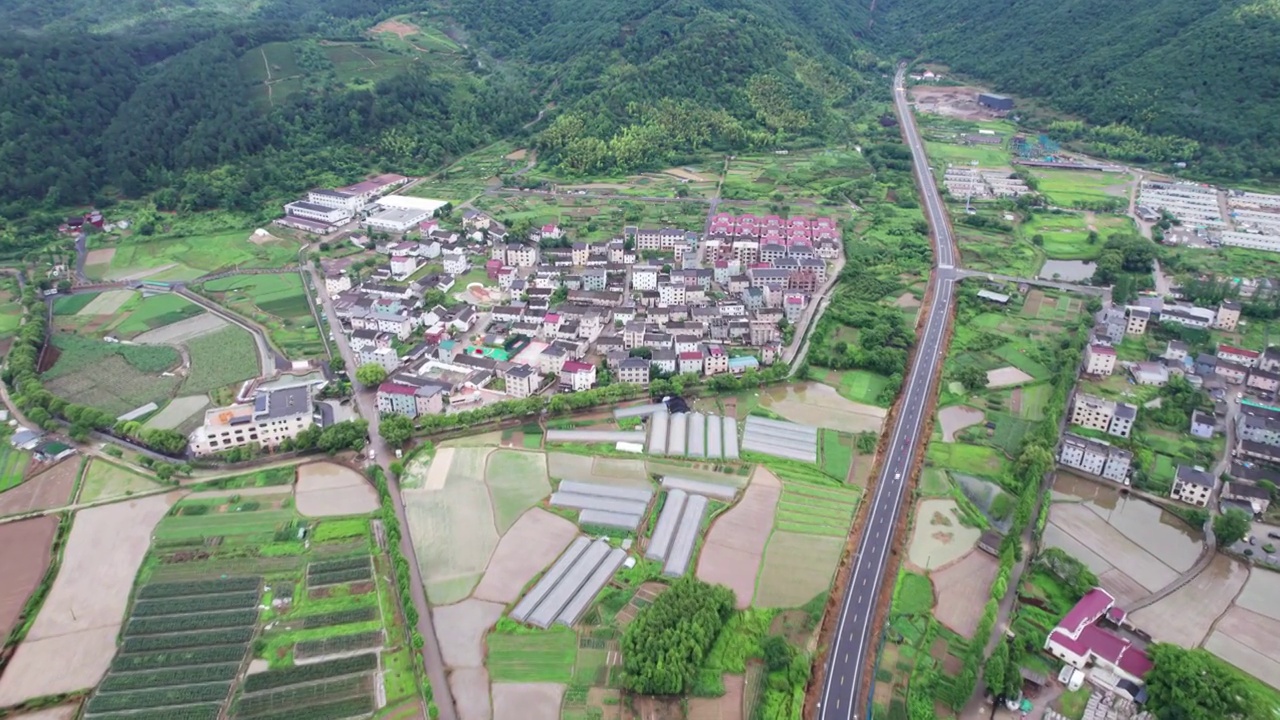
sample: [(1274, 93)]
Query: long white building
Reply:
[(272, 417)]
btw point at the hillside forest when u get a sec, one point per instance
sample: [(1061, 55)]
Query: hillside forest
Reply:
[(156, 100), (1161, 81)]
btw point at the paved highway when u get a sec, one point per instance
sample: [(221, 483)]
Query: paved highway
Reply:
[(854, 645)]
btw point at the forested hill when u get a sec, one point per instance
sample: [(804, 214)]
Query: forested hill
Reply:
[(1208, 70), (640, 81)]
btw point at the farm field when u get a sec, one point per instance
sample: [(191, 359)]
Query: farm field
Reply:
[(591, 219), (327, 489), (820, 405), (734, 546), (25, 553), (182, 414), (1066, 235), (860, 386), (188, 258), (796, 568), (517, 481), (330, 642), (277, 302), (1068, 187), (104, 480), (50, 488), (124, 314), (797, 175), (103, 552), (938, 537), (10, 307), (116, 378), (962, 588), (13, 466), (221, 358)]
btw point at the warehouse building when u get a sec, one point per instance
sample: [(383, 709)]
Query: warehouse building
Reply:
[(995, 102)]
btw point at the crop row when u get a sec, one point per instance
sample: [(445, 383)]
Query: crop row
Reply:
[(197, 587), (117, 682), (196, 603), (151, 643), (307, 673), (352, 707), (297, 696), (338, 643), (208, 711), (199, 621), (325, 566), (341, 617), (139, 699), (179, 658), (336, 577)]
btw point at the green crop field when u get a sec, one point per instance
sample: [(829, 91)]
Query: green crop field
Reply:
[(969, 459), (837, 453), (912, 594), (813, 510), (13, 465), (179, 527), (72, 304), (103, 480), (1015, 354), (277, 301), (934, 482), (221, 358), (187, 258), (986, 156), (141, 314), (543, 656), (116, 378)]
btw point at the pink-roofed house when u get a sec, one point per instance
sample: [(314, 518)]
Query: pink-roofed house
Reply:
[(402, 266), (773, 221), (576, 376), (426, 226), (723, 217), (552, 231), (690, 362), (716, 360), (1081, 642), (748, 220)]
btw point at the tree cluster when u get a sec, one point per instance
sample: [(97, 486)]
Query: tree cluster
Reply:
[(667, 643)]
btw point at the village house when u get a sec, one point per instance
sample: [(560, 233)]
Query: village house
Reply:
[(1096, 457), (1231, 372), (1263, 382), (522, 381), (1257, 499), (1136, 319), (271, 418), (336, 282), (1099, 360), (1192, 486), (715, 360), (1108, 416), (1239, 356), (1149, 373), (576, 376), (1228, 316), (1203, 425), (634, 371)]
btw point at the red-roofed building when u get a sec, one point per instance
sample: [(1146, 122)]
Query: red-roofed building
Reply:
[(689, 362), (1240, 356), (716, 360), (1080, 641), (576, 376), (551, 231)]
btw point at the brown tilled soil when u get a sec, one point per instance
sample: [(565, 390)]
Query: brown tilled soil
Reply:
[(400, 29), (962, 588), (470, 687), (24, 557), (735, 544), (51, 488), (527, 701), (528, 548), (725, 707)]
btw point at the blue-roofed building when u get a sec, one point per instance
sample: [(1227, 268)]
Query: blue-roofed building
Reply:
[(743, 363)]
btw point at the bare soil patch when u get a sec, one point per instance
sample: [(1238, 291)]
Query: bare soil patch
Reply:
[(178, 411), (820, 405), (907, 300), (470, 688), (1186, 616), (326, 489), (527, 701), (532, 544), (517, 155), (399, 28), (1258, 632), (961, 589), (1086, 527), (1243, 656), (1006, 376), (735, 544), (725, 707), (50, 489), (24, 557), (101, 256), (956, 418), (796, 567), (461, 628), (61, 712), (77, 626), (1123, 588)]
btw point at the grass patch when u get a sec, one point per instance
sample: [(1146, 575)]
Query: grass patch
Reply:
[(837, 452), (187, 258), (934, 483), (13, 466), (968, 459), (861, 386), (103, 479), (912, 594)]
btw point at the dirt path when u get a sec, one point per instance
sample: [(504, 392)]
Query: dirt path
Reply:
[(366, 57), (265, 64)]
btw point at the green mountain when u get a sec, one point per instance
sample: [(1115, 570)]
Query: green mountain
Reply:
[(1200, 69)]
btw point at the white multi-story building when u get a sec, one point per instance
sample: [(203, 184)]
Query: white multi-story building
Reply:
[(320, 213), (273, 417), (336, 199), (336, 282), (1192, 486), (1099, 360), (1095, 457), (522, 381), (383, 357), (456, 264)]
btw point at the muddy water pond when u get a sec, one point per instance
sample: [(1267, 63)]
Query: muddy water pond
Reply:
[(1067, 270), (1150, 527)]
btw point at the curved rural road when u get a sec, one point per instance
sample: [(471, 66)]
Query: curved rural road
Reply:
[(852, 649)]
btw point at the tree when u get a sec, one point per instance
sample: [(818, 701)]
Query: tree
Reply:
[(972, 377), (994, 671), (664, 647), (1231, 527), (396, 429), (371, 374), (1194, 685), (349, 435), (778, 653)]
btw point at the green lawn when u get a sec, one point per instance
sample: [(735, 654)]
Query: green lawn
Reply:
[(13, 465), (861, 386), (538, 656), (987, 156), (912, 594), (1065, 187)]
